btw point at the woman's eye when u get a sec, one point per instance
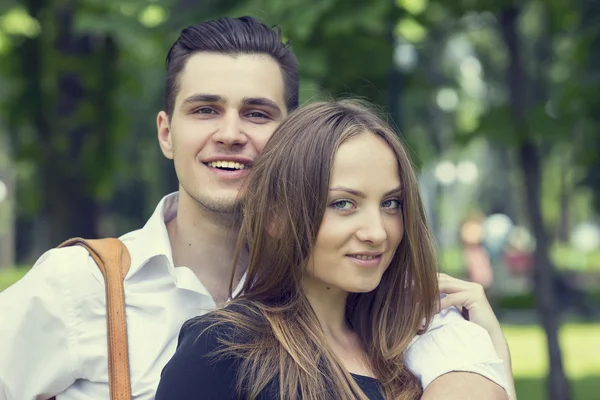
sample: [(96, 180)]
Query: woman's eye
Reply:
[(343, 205), (393, 204)]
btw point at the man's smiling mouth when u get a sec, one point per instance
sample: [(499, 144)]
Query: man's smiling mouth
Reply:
[(227, 165)]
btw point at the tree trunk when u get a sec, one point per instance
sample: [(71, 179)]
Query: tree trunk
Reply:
[(564, 220), (62, 200), (28, 109), (529, 157), (590, 14), (544, 272), (70, 207), (510, 193)]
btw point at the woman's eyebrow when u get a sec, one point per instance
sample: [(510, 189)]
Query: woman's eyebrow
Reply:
[(360, 194)]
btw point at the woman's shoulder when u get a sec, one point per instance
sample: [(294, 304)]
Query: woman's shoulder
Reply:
[(203, 365), (231, 323)]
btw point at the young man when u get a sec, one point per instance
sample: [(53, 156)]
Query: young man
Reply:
[(230, 83)]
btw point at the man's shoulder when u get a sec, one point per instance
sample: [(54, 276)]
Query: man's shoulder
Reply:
[(71, 265), (61, 253), (60, 269), (58, 283), (450, 335), (451, 318), (131, 237), (76, 256)]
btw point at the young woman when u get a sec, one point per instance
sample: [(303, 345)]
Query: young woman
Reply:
[(341, 275)]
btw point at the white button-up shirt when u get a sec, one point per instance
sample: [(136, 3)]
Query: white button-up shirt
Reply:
[(53, 324)]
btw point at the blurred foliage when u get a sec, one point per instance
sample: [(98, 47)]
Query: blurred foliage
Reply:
[(82, 82)]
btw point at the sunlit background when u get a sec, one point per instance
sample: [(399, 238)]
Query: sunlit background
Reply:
[(498, 101)]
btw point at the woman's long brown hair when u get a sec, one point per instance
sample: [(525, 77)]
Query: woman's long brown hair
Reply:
[(275, 331)]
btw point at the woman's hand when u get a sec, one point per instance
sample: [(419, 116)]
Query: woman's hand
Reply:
[(471, 297)]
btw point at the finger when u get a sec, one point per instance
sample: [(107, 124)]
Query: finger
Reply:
[(448, 284), (451, 286), (455, 299), (447, 278)]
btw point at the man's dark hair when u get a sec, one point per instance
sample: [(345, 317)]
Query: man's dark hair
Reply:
[(232, 36)]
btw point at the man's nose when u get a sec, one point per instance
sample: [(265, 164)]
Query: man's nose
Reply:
[(230, 131)]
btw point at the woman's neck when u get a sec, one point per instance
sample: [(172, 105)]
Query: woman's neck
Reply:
[(329, 304)]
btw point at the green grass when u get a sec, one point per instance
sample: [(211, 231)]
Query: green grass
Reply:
[(580, 344), (8, 276), (535, 389)]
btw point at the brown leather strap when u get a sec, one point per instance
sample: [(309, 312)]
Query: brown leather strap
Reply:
[(113, 260)]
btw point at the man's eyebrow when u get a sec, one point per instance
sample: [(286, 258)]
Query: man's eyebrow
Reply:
[(261, 102), (360, 194), (215, 98), (204, 98)]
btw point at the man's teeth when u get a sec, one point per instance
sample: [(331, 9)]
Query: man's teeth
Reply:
[(226, 164), (360, 257)]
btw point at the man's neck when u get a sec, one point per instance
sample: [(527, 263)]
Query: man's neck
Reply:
[(204, 242)]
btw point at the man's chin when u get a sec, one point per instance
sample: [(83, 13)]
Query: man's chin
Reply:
[(221, 203)]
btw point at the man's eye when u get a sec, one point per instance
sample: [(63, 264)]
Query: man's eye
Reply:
[(204, 110), (257, 114)]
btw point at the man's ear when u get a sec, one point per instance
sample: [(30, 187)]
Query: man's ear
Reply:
[(165, 138)]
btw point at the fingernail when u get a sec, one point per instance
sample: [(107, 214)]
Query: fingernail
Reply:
[(465, 313)]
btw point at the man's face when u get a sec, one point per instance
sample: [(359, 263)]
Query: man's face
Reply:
[(226, 109)]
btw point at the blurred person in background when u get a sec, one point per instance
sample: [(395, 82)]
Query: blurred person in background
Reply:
[(477, 260)]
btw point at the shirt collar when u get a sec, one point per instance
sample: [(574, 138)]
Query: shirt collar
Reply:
[(152, 242), (153, 239)]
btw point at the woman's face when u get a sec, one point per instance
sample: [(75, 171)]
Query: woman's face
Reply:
[(362, 225)]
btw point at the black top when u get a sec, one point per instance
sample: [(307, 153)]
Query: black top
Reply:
[(193, 374)]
